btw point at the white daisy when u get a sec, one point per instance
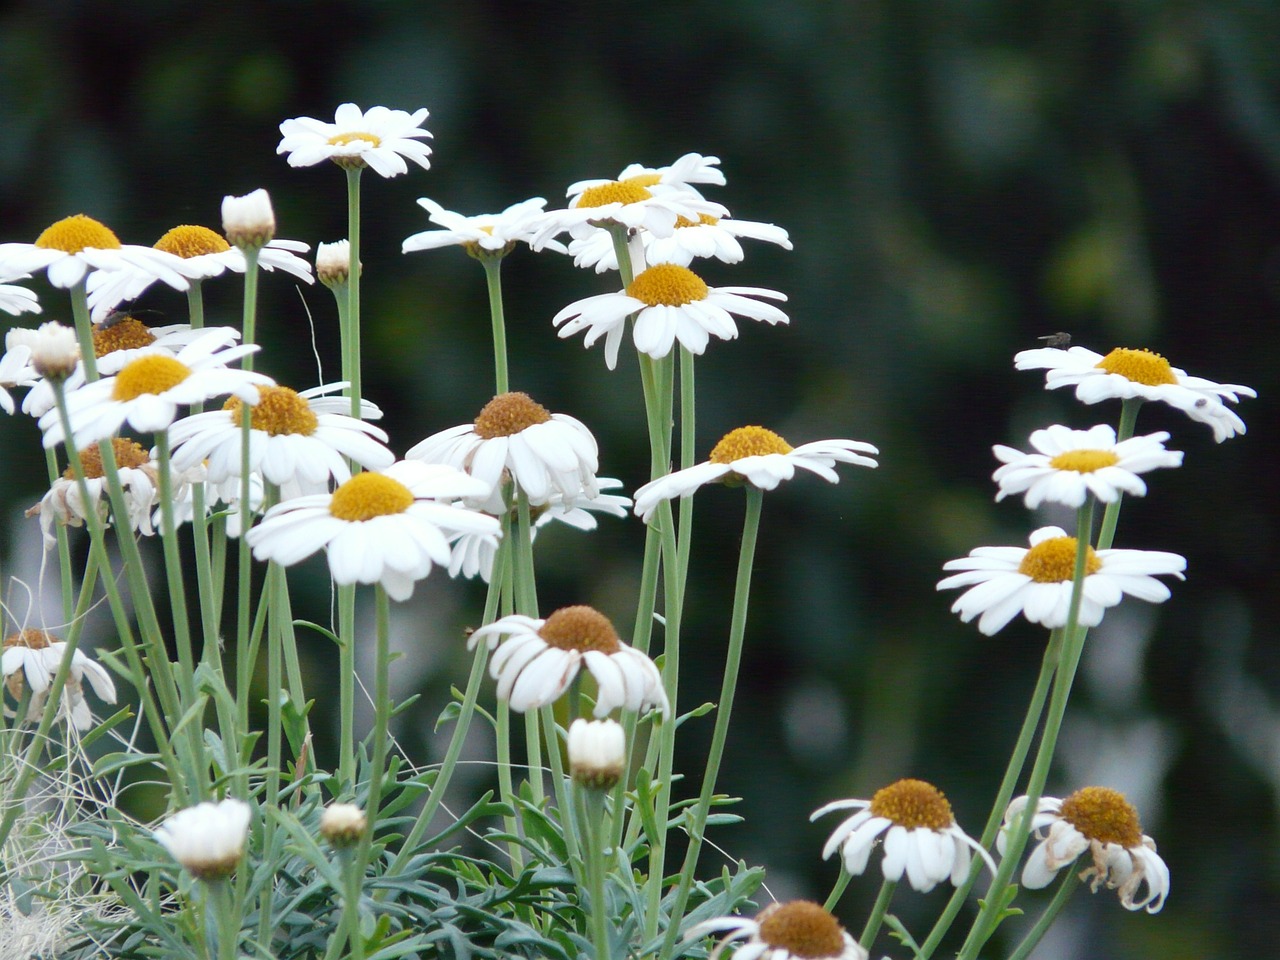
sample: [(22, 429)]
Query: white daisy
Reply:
[(798, 930), (31, 658), (150, 384), (73, 246), (670, 303), (543, 453), (15, 299), (756, 456), (386, 527), (15, 368), (486, 234), (197, 253), (1071, 464), (597, 751), (689, 169), (921, 836), (1126, 374), (1102, 822), (540, 659), (297, 441), (207, 839), (705, 237), (379, 138), (1006, 581)]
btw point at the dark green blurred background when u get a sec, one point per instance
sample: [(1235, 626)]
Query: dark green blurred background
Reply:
[(958, 179)]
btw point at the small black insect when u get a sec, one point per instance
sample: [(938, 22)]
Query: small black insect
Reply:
[(1058, 341)]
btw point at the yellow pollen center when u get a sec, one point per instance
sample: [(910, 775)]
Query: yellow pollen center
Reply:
[(369, 495), (128, 454), (747, 442), (913, 804), (127, 334), (1140, 366), (1054, 561), (614, 192), (704, 220), (1104, 815), (189, 241), (1084, 461), (580, 628), (666, 284), (801, 928), (342, 139), (73, 234), (32, 639), (278, 412), (508, 414), (644, 179), (154, 374)]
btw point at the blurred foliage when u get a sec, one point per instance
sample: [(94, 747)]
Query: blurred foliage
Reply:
[(958, 178)]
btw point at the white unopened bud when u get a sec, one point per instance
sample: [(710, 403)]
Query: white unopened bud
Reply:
[(207, 839), (248, 221), (343, 824), (333, 263), (54, 348), (597, 752)]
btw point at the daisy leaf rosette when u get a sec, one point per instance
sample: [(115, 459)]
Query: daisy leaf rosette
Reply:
[(756, 456), (387, 527), (1036, 582), (1128, 374), (379, 138), (670, 303), (1069, 465)]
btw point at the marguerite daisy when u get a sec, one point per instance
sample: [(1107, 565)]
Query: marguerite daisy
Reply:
[(379, 138), (756, 456), (1102, 822), (707, 236), (1071, 464), (31, 658), (921, 836), (70, 248), (798, 930), (15, 368), (484, 235), (1036, 582), (15, 299), (386, 527), (539, 659), (1126, 374), (670, 303)]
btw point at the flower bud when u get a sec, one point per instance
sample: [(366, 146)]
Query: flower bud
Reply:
[(54, 348), (248, 221), (343, 824), (207, 839), (333, 263), (597, 753)]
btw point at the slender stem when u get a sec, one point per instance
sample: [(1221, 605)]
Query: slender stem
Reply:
[(600, 915), (173, 571), (351, 878), (560, 784), (493, 280), (877, 914), (381, 721), (347, 686), (505, 791), (244, 571), (837, 890), (1069, 884), (218, 892), (1111, 516), (64, 544), (352, 347)]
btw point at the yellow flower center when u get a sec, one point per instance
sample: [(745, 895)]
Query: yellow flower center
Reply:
[(1104, 815), (342, 139), (509, 413), (369, 495), (278, 412), (666, 284), (580, 628), (153, 374), (913, 804), (644, 179), (127, 334), (128, 454), (625, 191), (704, 220), (73, 234), (1140, 366), (1084, 461), (801, 928), (747, 442), (189, 241), (1054, 561), (33, 639)]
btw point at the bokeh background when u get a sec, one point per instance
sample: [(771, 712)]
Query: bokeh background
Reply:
[(958, 178)]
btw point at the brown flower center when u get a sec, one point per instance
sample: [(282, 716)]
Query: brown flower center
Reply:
[(127, 334), (509, 413), (128, 454), (627, 191), (802, 928), (73, 234), (369, 495), (1140, 366), (580, 628), (747, 442), (913, 804), (1104, 815), (1084, 461), (1054, 561), (666, 284), (32, 639), (278, 412), (189, 241)]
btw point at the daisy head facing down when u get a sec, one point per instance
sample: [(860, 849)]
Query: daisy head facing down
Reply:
[(800, 929)]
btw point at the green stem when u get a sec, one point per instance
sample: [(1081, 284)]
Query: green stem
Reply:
[(173, 572), (837, 890), (1111, 516), (352, 346), (493, 281), (1068, 885), (600, 919), (244, 571), (352, 876), (877, 914), (64, 544), (347, 686), (227, 924)]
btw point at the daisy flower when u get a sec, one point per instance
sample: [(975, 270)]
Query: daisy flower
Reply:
[(756, 456), (15, 368), (484, 235), (1071, 464), (1127, 374), (689, 169), (798, 930), (297, 441), (207, 839), (921, 836), (1104, 823), (543, 453), (31, 658), (539, 659), (379, 138), (386, 527), (707, 236), (1006, 581), (197, 253), (670, 303), (70, 248), (15, 299), (148, 386)]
